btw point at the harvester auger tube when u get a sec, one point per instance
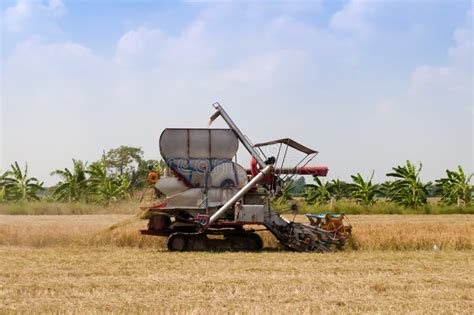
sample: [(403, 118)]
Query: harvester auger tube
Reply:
[(267, 170), (212, 203)]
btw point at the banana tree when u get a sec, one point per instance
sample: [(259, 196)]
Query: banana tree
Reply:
[(363, 191), (139, 178), (18, 186), (338, 189), (3, 187), (73, 184), (455, 188), (407, 189), (286, 192), (385, 189), (105, 188), (318, 193)]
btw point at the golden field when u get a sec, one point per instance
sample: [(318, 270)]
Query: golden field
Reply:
[(99, 263), (370, 232)]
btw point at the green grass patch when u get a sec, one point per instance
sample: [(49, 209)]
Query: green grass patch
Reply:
[(132, 207), (381, 207), (59, 208)]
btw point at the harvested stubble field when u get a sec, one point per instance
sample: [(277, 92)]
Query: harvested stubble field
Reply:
[(99, 263)]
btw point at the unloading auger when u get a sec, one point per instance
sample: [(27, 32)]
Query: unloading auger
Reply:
[(213, 203)]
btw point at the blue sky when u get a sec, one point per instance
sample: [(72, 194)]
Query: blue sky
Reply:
[(368, 83)]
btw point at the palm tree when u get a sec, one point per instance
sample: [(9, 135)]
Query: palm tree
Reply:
[(363, 191), (455, 189), (18, 186), (408, 190), (317, 193), (73, 184)]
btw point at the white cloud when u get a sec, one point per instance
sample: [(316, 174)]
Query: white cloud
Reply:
[(133, 44), (152, 48), (279, 71), (17, 17), (54, 8), (354, 17), (264, 68), (452, 82), (150, 75)]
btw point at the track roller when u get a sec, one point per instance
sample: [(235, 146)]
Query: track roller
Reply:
[(241, 241), (177, 242)]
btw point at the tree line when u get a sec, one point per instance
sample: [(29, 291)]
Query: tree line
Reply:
[(123, 170), (405, 188), (114, 177)]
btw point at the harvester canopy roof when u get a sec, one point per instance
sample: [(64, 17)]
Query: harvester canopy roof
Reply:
[(289, 142)]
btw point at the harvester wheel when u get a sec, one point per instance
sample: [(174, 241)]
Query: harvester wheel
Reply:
[(177, 242)]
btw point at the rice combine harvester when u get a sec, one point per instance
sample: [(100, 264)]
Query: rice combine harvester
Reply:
[(212, 203)]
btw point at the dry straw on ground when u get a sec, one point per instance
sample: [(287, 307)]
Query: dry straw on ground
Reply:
[(100, 263), (130, 280), (375, 232)]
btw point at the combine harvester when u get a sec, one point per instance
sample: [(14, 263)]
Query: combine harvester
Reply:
[(212, 203)]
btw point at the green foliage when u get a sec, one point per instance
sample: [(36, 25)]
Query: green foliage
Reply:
[(123, 158), (384, 189), (381, 207), (15, 185), (123, 170), (126, 161), (142, 171), (338, 189), (105, 188), (299, 185), (362, 191), (3, 193), (318, 193), (408, 190), (3, 188), (286, 192), (73, 184), (291, 188), (44, 207), (455, 188)]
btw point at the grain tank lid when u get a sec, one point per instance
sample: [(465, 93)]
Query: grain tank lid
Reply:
[(198, 143), (289, 142)]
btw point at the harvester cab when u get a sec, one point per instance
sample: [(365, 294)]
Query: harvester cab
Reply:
[(213, 203)]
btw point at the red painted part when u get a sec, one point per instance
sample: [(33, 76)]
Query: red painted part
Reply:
[(181, 177), (253, 167), (157, 206), (304, 170), (254, 172), (234, 224)]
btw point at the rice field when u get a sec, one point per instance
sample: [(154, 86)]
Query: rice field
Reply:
[(370, 232), (100, 264)]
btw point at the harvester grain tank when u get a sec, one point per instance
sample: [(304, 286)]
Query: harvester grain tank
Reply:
[(213, 203)]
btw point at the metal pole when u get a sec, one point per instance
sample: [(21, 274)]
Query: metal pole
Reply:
[(267, 170), (239, 133)]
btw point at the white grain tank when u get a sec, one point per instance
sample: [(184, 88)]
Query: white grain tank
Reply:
[(201, 159)]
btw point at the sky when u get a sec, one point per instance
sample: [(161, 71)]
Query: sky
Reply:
[(369, 84)]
